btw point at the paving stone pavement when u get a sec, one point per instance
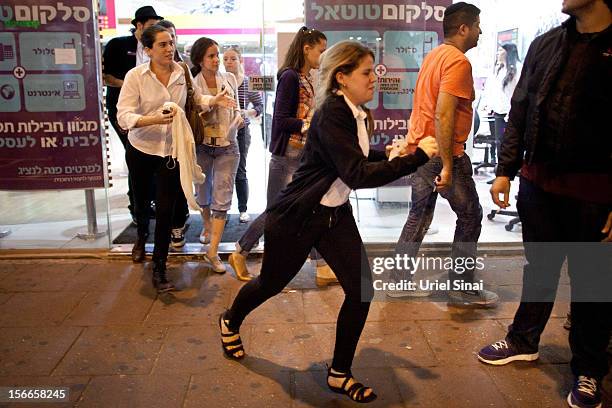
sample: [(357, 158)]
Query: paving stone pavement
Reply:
[(99, 328)]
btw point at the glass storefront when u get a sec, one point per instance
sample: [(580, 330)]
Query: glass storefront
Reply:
[(262, 30)]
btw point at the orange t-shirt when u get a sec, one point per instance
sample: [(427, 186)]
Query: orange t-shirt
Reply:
[(448, 70)]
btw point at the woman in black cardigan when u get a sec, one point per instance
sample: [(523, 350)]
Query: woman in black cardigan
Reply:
[(313, 211)]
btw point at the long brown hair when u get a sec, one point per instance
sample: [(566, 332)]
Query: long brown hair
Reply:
[(198, 51), (295, 55)]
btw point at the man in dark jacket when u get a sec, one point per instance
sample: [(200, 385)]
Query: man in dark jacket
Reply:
[(558, 135), (120, 55)]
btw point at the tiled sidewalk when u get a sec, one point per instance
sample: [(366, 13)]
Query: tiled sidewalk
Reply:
[(99, 328)]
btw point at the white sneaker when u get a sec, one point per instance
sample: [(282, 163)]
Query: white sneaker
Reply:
[(402, 294), (244, 217)]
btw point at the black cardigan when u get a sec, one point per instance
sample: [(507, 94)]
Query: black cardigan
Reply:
[(284, 121), (331, 151)]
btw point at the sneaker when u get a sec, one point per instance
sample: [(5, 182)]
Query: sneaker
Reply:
[(215, 263), (177, 237), (404, 294), (238, 262), (476, 298), (244, 217), (585, 393), (204, 237), (501, 352)]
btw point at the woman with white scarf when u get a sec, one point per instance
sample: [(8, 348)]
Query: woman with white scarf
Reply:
[(145, 91)]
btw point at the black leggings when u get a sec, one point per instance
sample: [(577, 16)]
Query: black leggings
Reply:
[(333, 232), (170, 203)]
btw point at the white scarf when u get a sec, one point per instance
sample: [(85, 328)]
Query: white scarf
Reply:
[(184, 151)]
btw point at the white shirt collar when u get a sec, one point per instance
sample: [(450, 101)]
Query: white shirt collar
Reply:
[(147, 68), (358, 112)]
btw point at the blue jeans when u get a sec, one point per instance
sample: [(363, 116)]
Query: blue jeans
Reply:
[(281, 172), (219, 164), (242, 182), (463, 199)]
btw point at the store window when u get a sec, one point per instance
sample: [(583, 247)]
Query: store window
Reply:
[(400, 34)]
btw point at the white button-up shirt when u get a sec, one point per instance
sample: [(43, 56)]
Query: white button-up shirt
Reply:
[(141, 55), (339, 192), (143, 94)]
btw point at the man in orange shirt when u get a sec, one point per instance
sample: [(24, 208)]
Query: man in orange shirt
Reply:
[(443, 109)]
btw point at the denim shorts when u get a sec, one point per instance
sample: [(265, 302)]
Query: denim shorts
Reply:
[(219, 164)]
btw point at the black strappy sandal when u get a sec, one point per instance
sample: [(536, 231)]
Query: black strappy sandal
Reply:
[(233, 347), (356, 392)]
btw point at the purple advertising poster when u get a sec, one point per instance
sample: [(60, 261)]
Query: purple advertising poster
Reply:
[(50, 103), (400, 33)]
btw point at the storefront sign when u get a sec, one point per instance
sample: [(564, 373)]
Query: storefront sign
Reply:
[(261, 83), (400, 33), (50, 99)]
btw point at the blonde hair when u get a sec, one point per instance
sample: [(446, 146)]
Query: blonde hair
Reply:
[(239, 53), (344, 57)]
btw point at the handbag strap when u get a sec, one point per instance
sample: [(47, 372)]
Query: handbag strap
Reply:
[(187, 79)]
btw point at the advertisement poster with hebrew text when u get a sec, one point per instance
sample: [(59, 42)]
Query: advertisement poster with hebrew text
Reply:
[(401, 34), (50, 103)]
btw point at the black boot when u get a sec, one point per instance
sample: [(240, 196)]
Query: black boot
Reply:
[(160, 282), (138, 250)]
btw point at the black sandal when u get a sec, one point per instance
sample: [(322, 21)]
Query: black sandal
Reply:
[(230, 348), (356, 392)]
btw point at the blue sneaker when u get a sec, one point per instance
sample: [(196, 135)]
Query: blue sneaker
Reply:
[(501, 352), (585, 393)]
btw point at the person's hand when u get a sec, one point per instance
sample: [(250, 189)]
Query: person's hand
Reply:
[(444, 180), (164, 116), (239, 121), (501, 185), (388, 149), (250, 113), (607, 229), (221, 99), (428, 145)]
